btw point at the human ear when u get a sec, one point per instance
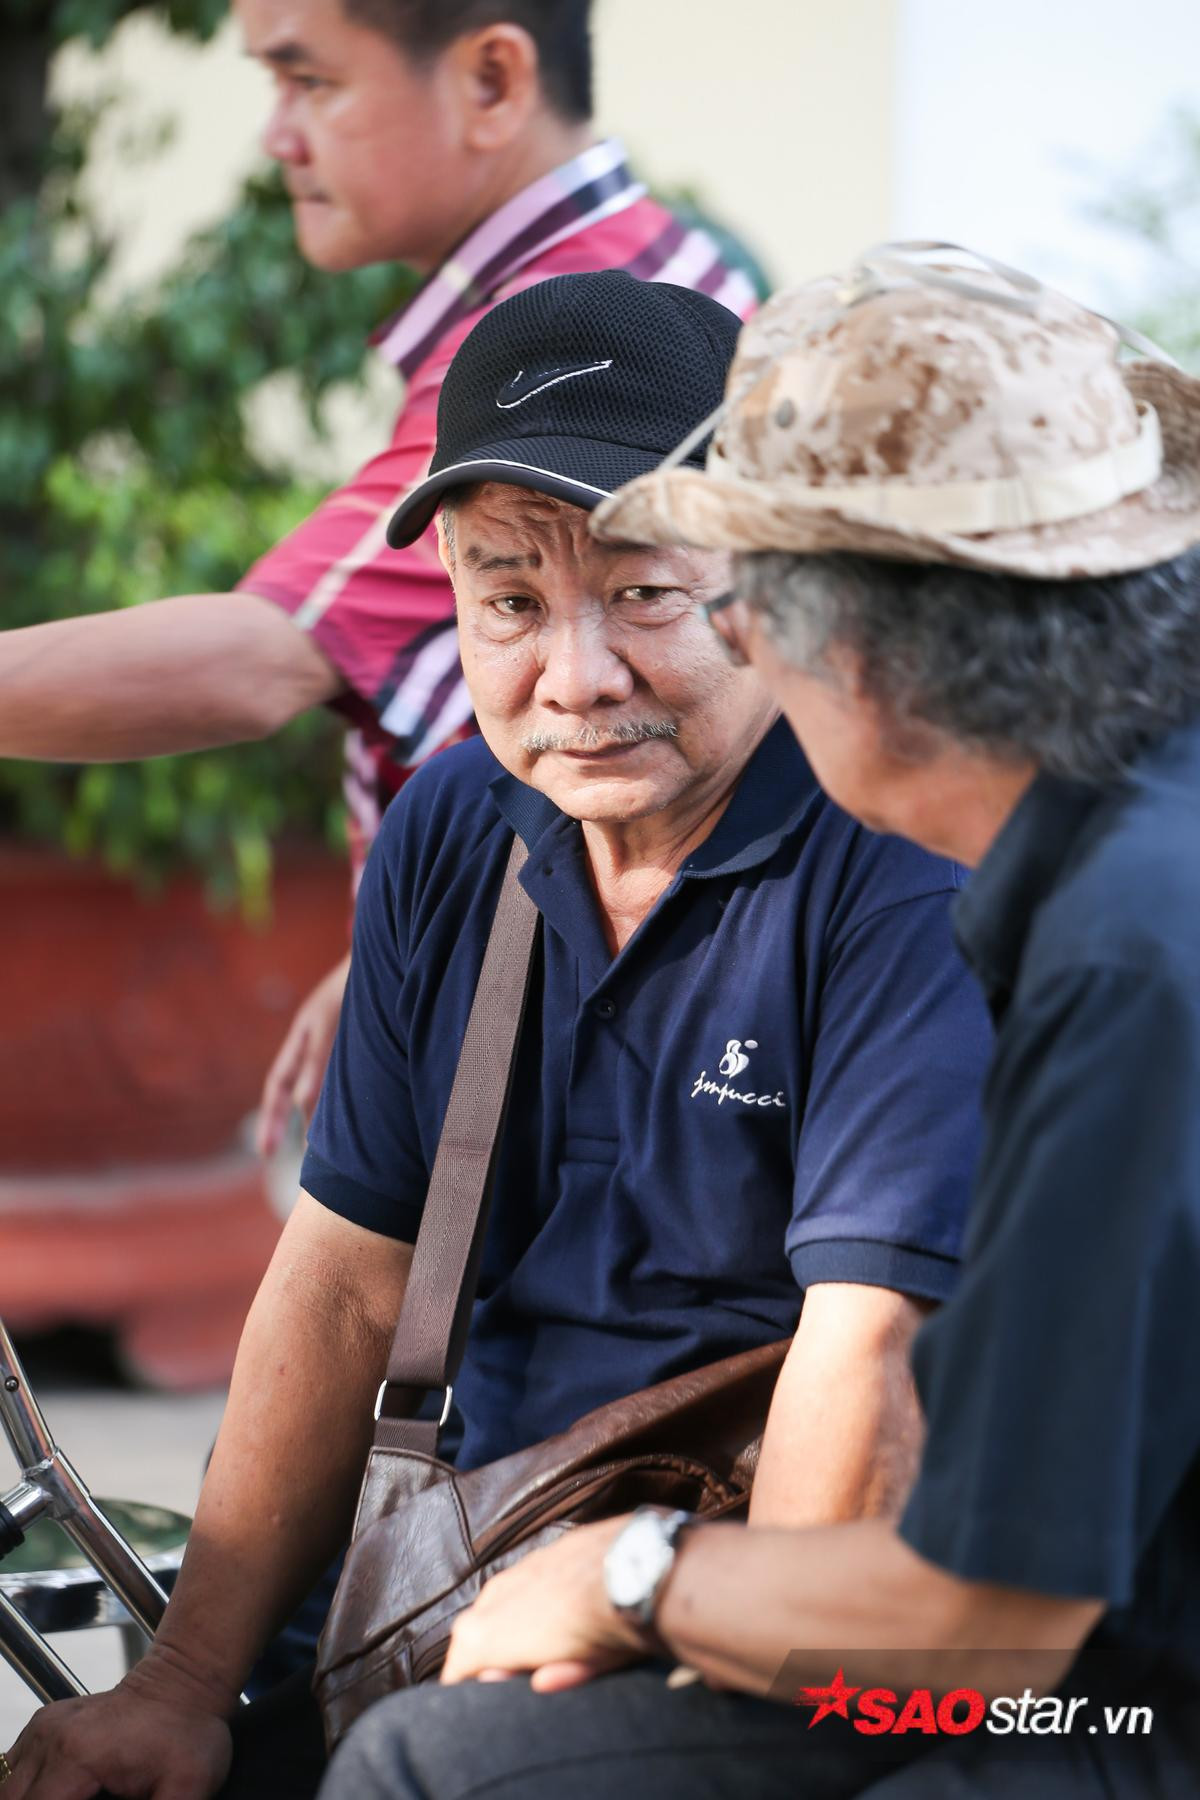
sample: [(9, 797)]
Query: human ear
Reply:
[(497, 69), (445, 553)]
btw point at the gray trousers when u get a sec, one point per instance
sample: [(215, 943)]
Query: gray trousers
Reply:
[(626, 1737), (630, 1737)]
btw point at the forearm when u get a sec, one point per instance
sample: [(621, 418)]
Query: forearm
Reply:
[(844, 1435), (739, 1604), (278, 1498), (188, 673), (746, 1607)]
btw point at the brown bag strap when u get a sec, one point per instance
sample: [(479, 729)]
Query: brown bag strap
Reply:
[(436, 1315)]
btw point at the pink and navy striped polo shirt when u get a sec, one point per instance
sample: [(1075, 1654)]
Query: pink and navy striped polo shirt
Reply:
[(384, 617)]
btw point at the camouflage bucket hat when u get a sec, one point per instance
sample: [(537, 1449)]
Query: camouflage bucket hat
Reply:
[(937, 412)]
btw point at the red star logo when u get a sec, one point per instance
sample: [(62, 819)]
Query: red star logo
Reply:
[(832, 1699)]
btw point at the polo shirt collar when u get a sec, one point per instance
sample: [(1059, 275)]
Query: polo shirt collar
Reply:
[(994, 915), (588, 188), (775, 791)]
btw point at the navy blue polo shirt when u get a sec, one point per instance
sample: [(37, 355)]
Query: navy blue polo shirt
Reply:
[(775, 1083), (1061, 1383)]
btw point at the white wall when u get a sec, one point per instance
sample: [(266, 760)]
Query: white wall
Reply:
[(214, 98), (1012, 119), (781, 112)]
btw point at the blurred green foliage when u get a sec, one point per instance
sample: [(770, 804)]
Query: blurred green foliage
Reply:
[(1161, 207), (96, 20), (128, 472)]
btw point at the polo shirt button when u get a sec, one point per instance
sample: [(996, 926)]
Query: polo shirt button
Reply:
[(606, 1009)]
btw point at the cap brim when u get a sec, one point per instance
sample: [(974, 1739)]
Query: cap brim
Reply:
[(711, 512), (581, 471)]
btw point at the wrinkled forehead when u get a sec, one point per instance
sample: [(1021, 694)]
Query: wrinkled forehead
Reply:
[(502, 504), (495, 526)]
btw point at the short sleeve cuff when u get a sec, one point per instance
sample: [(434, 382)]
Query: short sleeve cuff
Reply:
[(1011, 1550), (921, 1273), (327, 633), (389, 1214), (261, 587)]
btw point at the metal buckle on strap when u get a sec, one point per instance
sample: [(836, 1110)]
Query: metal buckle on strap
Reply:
[(447, 1402)]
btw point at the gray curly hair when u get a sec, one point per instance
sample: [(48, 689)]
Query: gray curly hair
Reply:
[(1079, 676)]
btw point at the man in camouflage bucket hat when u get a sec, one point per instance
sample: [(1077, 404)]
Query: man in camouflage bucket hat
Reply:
[(910, 412), (970, 577)]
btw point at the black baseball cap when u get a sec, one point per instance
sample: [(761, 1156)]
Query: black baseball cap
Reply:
[(574, 387)]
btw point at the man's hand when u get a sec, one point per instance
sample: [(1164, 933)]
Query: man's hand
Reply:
[(294, 1078), (548, 1613), (122, 1743)]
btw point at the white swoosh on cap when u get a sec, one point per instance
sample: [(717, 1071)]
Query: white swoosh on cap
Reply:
[(569, 375)]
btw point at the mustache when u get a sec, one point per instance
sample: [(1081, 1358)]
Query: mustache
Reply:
[(597, 737)]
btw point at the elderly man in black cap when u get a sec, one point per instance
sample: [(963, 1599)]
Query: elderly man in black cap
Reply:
[(745, 1094), (969, 569)]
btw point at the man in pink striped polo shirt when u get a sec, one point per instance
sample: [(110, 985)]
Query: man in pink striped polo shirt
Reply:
[(453, 135)]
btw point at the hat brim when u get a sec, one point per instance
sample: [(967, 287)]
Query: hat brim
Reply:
[(685, 506), (581, 471)]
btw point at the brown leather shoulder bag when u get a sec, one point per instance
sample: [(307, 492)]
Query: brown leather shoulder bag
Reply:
[(427, 1537)]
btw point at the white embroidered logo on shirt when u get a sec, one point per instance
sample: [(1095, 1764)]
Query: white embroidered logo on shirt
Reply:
[(734, 1062), (734, 1059)]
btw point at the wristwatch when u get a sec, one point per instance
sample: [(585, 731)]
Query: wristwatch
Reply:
[(638, 1561)]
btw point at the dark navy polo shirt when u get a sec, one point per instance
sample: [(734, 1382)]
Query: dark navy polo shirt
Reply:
[(1062, 1381), (775, 1083)]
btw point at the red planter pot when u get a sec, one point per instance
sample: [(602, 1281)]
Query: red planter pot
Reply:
[(134, 1036)]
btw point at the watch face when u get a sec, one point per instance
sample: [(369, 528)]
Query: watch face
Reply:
[(636, 1561)]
